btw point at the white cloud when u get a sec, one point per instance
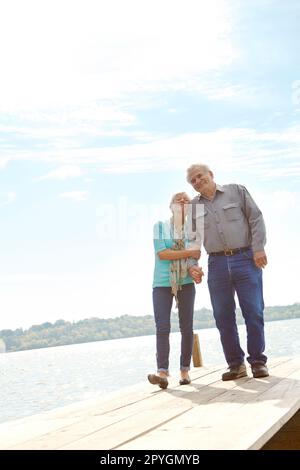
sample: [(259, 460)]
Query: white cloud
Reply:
[(3, 162), (83, 85), (88, 180), (45, 277), (267, 154), (62, 173), (296, 94), (61, 52), (8, 198), (75, 195), (69, 123)]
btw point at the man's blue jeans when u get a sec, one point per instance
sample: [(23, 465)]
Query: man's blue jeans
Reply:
[(162, 304), (227, 275)]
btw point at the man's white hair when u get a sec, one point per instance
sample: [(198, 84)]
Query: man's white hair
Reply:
[(197, 166)]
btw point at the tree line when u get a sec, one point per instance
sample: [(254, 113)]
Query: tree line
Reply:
[(99, 329)]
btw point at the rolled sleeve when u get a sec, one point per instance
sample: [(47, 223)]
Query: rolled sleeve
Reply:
[(158, 238), (193, 237)]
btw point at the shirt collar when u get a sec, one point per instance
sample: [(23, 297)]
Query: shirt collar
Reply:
[(219, 187)]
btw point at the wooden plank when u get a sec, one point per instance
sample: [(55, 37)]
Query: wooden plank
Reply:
[(242, 419), (150, 417), (100, 431), (288, 437), (60, 420), (42, 427), (152, 405), (110, 423)]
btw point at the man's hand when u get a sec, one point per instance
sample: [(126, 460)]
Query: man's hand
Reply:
[(194, 253), (260, 259), (196, 273)]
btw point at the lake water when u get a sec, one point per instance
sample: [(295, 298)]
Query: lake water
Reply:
[(42, 379)]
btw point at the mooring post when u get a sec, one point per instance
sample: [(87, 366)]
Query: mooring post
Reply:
[(197, 357)]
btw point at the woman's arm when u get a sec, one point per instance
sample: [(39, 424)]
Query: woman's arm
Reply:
[(170, 255)]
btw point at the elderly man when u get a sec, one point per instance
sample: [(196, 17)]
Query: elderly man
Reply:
[(234, 236)]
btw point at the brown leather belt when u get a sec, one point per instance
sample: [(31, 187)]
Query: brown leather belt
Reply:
[(229, 252)]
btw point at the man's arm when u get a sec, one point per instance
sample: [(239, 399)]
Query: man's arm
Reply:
[(196, 273), (194, 241), (257, 226)]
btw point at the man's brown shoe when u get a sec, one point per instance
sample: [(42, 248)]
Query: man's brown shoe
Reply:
[(235, 372), (259, 370)]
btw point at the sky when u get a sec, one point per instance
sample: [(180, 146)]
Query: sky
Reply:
[(103, 106)]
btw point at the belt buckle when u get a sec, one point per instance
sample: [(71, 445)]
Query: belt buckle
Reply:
[(228, 252)]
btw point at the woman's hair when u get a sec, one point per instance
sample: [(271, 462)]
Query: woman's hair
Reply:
[(176, 195)]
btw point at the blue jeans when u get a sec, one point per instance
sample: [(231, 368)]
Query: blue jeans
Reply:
[(227, 275), (162, 304)]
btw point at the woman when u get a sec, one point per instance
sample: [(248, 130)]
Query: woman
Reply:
[(171, 279)]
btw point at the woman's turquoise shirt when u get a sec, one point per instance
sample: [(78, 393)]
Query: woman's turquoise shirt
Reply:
[(162, 240)]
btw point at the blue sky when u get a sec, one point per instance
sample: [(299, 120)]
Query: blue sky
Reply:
[(103, 106)]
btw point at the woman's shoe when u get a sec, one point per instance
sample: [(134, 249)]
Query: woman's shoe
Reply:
[(162, 382), (184, 381)]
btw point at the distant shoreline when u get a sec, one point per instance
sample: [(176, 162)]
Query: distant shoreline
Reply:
[(89, 330)]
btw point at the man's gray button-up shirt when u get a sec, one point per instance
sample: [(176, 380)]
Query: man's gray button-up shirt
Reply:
[(230, 220)]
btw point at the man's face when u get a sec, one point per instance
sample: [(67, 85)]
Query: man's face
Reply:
[(201, 181)]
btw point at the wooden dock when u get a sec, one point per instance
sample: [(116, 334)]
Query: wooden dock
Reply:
[(207, 414)]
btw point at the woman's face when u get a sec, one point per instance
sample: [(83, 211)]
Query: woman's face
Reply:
[(180, 204)]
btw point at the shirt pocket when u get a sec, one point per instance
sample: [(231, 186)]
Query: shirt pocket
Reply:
[(232, 211)]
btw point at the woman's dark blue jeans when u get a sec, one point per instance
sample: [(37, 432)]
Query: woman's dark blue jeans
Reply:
[(162, 304)]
